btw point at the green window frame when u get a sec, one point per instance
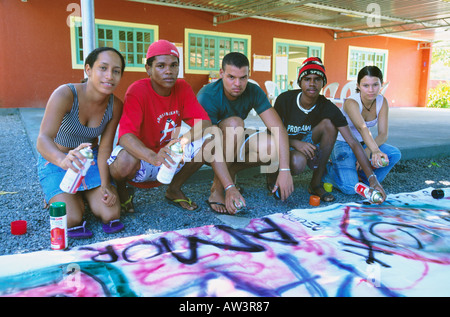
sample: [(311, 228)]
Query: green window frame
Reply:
[(205, 50), (132, 42), (360, 57), (284, 47)]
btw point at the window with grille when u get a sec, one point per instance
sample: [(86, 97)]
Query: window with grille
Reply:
[(132, 42), (205, 50), (360, 57)]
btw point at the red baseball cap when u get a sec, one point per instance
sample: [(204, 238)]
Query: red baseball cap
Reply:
[(162, 47)]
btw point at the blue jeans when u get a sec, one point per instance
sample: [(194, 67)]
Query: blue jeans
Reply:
[(342, 173)]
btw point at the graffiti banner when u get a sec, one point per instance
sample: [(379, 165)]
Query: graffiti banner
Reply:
[(399, 248)]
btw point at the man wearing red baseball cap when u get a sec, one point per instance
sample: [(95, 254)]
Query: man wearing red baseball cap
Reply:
[(312, 122), (154, 109)]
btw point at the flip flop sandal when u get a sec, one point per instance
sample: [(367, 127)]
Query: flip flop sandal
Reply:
[(128, 205), (326, 197), (210, 203), (113, 226), (176, 203), (79, 232)]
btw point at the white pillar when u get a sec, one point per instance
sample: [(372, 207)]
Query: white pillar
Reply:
[(88, 26)]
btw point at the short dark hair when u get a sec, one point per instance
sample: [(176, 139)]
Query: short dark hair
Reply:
[(92, 57), (372, 71), (235, 59)]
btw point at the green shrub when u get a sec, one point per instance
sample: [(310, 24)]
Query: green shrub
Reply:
[(439, 97)]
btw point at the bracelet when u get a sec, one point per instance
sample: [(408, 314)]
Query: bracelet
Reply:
[(284, 169), (372, 175), (229, 186)]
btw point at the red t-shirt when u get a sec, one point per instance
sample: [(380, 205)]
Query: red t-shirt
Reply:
[(152, 117)]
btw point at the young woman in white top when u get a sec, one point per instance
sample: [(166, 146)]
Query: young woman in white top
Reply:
[(363, 110)]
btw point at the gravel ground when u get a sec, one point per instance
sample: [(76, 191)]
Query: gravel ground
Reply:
[(18, 175)]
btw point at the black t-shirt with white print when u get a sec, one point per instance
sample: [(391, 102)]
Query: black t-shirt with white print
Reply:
[(297, 122)]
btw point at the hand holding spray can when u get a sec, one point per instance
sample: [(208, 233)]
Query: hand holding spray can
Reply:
[(72, 180), (377, 165), (364, 190), (165, 173)]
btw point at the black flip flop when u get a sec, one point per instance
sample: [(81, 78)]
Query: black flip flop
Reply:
[(218, 204)]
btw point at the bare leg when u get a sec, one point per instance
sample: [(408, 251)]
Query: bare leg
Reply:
[(99, 209), (123, 169), (233, 137), (74, 207)]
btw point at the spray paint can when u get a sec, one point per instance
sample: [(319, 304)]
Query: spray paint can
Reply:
[(165, 173), (364, 190), (72, 180), (383, 163), (239, 206), (440, 193), (58, 226), (314, 162)]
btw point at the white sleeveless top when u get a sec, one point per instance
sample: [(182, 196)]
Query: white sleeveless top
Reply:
[(357, 97)]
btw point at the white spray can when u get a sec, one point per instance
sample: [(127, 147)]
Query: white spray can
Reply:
[(165, 174), (72, 180)]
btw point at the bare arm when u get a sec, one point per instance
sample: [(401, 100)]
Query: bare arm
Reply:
[(351, 107), (362, 158), (59, 104), (273, 122), (104, 151)]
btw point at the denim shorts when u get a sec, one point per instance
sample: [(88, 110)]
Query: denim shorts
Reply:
[(50, 176)]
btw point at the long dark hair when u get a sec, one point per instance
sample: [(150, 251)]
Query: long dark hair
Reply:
[(372, 71)]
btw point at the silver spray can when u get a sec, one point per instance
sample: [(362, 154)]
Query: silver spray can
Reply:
[(239, 206), (376, 165), (165, 174), (364, 190), (72, 180)]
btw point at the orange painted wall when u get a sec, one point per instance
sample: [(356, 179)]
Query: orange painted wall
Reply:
[(35, 55)]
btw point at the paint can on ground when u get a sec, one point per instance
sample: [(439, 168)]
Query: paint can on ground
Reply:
[(314, 200), (328, 187), (18, 227), (58, 226), (440, 193)]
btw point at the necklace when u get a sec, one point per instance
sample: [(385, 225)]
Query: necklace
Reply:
[(306, 111), (368, 109)]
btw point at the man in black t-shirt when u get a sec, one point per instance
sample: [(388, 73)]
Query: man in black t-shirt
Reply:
[(312, 123)]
